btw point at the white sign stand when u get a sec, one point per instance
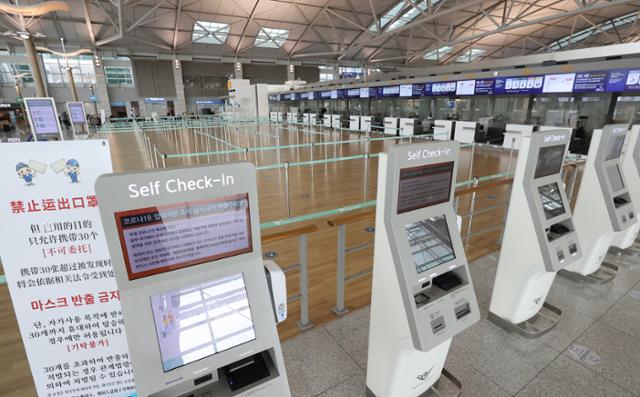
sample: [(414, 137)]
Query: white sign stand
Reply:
[(43, 117), (77, 115), (58, 268)]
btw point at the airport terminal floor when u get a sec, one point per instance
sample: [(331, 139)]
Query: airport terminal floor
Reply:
[(329, 182)]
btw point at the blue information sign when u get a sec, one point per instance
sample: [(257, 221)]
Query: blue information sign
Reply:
[(590, 82), (616, 81), (484, 87)]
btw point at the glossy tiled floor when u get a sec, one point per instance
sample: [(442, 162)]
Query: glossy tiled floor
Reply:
[(330, 361)]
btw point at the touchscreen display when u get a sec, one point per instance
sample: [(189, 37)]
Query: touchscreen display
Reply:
[(615, 178), (424, 186), (430, 243), (201, 320), (159, 239), (551, 200), (550, 161), (615, 149)]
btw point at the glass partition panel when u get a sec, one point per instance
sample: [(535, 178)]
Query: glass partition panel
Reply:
[(627, 109)]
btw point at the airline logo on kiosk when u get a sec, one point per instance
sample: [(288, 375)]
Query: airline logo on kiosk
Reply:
[(554, 138), (428, 153), (178, 185)]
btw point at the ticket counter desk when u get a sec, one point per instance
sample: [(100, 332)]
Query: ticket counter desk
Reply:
[(540, 238), (604, 206), (186, 253), (422, 294)]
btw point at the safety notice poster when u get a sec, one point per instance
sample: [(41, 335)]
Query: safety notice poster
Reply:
[(58, 268)]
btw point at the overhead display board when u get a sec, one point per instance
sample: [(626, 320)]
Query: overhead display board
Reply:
[(466, 87), (558, 83), (623, 80), (43, 118)]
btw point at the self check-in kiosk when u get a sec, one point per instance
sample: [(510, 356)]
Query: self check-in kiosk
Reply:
[(422, 294), (540, 238), (186, 252), (603, 207), (631, 170)]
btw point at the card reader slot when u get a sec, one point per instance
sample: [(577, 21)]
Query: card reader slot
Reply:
[(462, 310), (447, 281)]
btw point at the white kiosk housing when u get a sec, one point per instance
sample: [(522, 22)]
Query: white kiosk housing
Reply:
[(408, 126), (603, 207), (443, 130), (631, 170), (186, 253), (335, 121), (422, 293), (539, 238), (513, 134), (391, 125)]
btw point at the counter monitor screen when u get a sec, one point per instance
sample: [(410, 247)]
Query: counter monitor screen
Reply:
[(550, 161), (615, 178), (201, 320), (616, 148), (160, 239), (424, 186), (551, 200), (430, 243)]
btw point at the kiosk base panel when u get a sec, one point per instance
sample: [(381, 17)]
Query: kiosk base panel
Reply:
[(605, 274), (543, 322), (446, 386)]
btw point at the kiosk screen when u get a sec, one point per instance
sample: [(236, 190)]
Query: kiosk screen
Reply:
[(201, 320), (616, 148), (159, 239), (615, 178), (550, 161), (424, 186), (430, 243), (551, 200)]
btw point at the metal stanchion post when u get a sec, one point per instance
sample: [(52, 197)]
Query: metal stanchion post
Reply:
[(340, 308), (471, 209), (286, 189), (304, 323), (365, 178), (473, 153)]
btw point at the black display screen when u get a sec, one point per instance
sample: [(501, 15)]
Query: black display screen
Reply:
[(550, 161), (551, 199), (615, 178), (424, 186), (430, 243), (615, 148)]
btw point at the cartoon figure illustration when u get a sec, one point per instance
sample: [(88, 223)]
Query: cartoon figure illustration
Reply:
[(72, 170), (25, 173)]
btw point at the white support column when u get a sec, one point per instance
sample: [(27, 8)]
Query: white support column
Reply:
[(237, 70), (180, 104), (101, 90), (291, 72)]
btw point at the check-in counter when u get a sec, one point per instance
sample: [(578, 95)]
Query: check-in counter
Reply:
[(291, 118), (410, 126), (443, 130), (354, 123), (306, 118), (391, 125), (335, 121), (365, 123), (273, 116), (514, 133), (280, 117), (313, 118), (465, 131)]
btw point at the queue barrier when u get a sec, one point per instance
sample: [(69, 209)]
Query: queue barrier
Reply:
[(302, 267)]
